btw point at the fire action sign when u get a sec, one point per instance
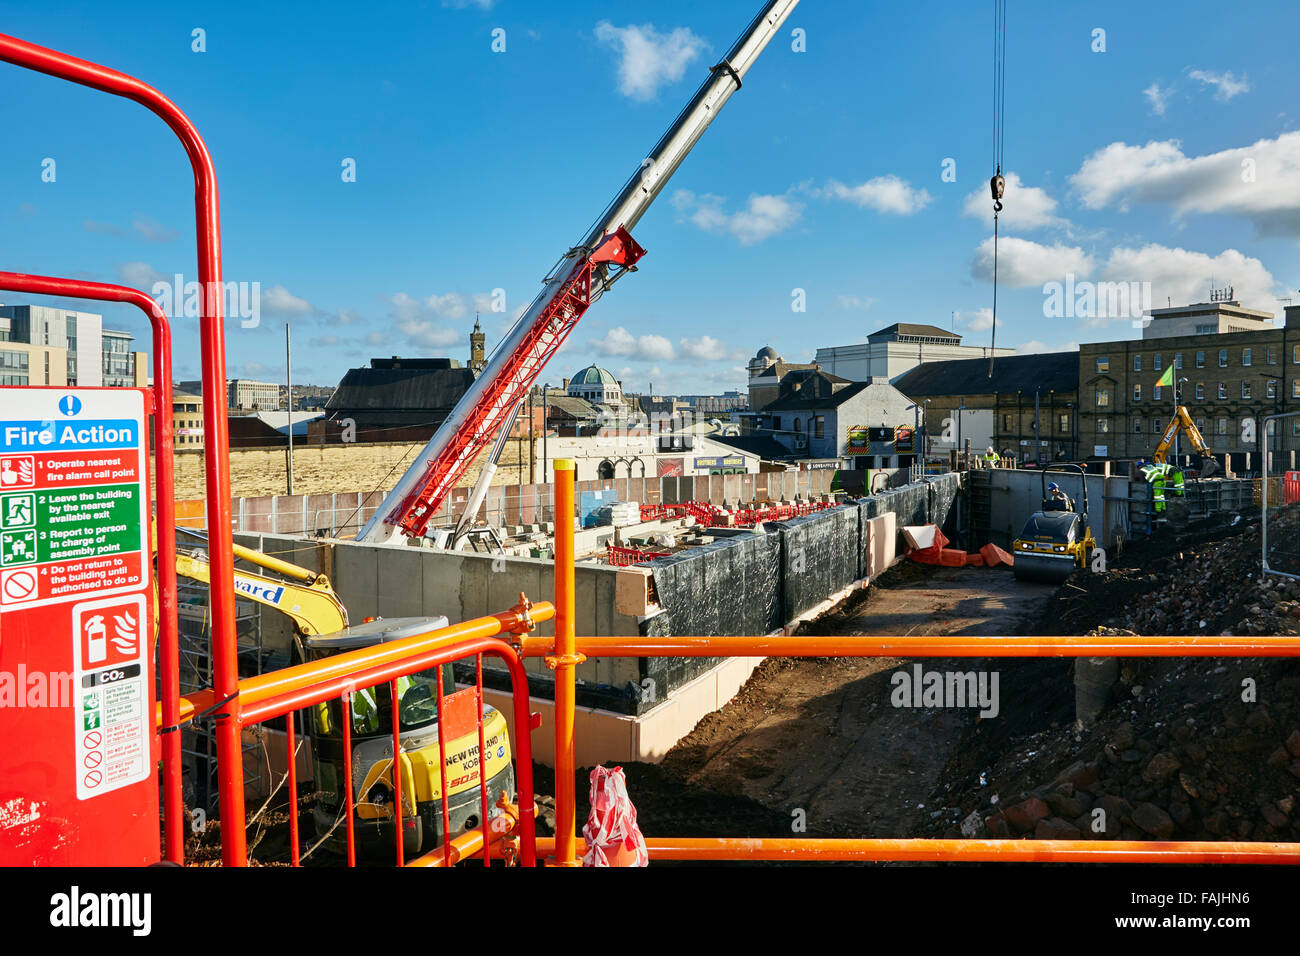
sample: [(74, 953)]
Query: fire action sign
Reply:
[(76, 623)]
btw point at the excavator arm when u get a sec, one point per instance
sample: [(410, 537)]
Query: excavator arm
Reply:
[(308, 599), (1182, 421)]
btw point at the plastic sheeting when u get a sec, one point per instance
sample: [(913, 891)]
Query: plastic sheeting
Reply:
[(820, 555)]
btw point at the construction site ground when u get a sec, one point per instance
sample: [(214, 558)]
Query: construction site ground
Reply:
[(1177, 753)]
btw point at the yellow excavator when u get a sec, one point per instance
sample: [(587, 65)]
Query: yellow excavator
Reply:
[(1203, 461), (322, 630)]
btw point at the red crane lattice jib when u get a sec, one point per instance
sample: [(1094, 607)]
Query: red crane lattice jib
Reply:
[(522, 368)]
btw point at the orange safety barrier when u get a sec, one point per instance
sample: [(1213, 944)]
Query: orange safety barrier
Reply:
[(284, 692)]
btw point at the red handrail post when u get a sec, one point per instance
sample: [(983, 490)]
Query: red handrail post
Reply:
[(216, 433)]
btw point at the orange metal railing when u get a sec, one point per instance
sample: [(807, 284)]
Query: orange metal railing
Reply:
[(284, 692), (565, 647)]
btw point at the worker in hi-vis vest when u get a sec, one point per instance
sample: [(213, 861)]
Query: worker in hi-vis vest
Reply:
[(1156, 475), (991, 457)]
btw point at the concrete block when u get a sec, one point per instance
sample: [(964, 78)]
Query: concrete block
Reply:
[(632, 591)]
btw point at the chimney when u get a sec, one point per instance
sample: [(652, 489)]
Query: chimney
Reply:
[(1292, 316), (565, 384)]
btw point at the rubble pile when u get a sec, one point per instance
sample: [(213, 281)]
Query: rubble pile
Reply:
[(1166, 763), (1188, 749)]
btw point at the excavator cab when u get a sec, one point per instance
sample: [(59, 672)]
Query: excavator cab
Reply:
[(1057, 539)]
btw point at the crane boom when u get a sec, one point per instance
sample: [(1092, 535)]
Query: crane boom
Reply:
[(581, 276)]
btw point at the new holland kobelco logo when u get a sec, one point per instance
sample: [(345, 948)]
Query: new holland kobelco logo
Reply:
[(257, 590)]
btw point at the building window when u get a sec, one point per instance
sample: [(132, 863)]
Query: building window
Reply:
[(1295, 388), (1271, 357), (1295, 426), (1206, 329), (820, 425), (1246, 355), (1270, 427), (1295, 355), (1137, 363), (1245, 389), (1065, 422), (1137, 393), (1178, 361), (1137, 426), (1103, 397), (1103, 363), (1103, 424), (1223, 390), (1270, 388), (1222, 426), (797, 426), (1155, 394), (1200, 391), (1156, 427), (1200, 425), (1200, 360), (1156, 364), (1223, 358)]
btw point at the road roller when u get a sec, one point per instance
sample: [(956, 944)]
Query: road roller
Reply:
[(1057, 539)]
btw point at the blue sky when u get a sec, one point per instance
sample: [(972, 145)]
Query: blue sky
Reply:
[(476, 169)]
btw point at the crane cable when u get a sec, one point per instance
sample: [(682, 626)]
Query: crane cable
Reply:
[(997, 184)]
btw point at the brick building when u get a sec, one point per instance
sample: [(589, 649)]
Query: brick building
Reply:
[(1230, 381)]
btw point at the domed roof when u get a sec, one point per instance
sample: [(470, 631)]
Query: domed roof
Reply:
[(593, 375), (767, 352)]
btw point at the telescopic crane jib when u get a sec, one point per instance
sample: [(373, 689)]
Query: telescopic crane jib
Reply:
[(581, 276)]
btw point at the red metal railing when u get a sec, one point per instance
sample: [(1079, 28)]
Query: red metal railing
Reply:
[(216, 435), (710, 515), (1291, 487), (626, 557)]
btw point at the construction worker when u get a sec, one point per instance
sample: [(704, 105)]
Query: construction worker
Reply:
[(990, 458), (1176, 482), (1057, 500), (1155, 474)]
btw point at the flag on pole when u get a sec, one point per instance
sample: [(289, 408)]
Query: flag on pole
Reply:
[(1167, 379)]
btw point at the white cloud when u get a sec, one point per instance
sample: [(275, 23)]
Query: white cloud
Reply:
[(649, 59), (1024, 207), (1260, 182), (419, 320), (885, 194), (153, 231), (861, 303), (1023, 263), (981, 320), (763, 216), (141, 275), (277, 300), (619, 341), (1183, 276), (1158, 97), (706, 348), (1225, 84)]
